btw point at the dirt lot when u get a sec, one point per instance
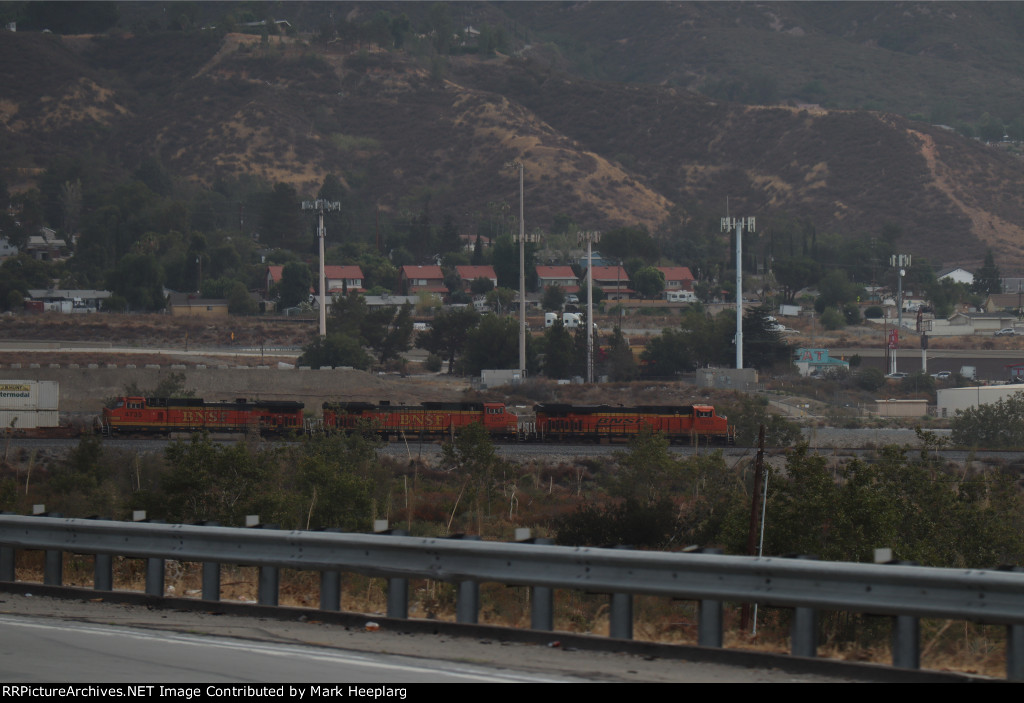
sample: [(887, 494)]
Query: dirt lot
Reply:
[(151, 332), (163, 331)]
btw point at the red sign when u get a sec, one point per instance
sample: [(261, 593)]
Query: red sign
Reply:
[(894, 339)]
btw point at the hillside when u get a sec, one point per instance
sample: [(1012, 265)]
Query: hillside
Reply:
[(401, 132)]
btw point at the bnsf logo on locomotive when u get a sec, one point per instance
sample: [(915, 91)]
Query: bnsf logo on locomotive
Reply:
[(421, 419), (203, 416), (617, 421)]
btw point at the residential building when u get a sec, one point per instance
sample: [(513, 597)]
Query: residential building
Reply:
[(341, 278), (614, 281), (185, 305), (45, 246), (272, 276), (677, 277), (468, 274), (7, 250), (68, 300), (558, 276), (956, 274), (415, 279)]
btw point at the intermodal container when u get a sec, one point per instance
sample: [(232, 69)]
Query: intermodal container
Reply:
[(29, 395)]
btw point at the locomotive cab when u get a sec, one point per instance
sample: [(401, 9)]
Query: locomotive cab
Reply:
[(498, 420)]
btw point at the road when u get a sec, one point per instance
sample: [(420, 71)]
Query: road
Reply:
[(991, 363), (47, 649), (82, 641)]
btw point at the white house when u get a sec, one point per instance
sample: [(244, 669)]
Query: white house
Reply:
[(957, 275)]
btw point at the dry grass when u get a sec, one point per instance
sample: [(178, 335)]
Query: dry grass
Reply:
[(946, 645)]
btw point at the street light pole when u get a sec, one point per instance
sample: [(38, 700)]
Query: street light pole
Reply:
[(522, 275), (320, 206), (899, 262), (590, 238), (740, 223)]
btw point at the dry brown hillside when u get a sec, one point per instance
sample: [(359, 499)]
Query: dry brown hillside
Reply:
[(403, 132)]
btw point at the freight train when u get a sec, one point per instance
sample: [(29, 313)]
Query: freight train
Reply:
[(431, 420), (166, 415), (677, 423), (549, 423)]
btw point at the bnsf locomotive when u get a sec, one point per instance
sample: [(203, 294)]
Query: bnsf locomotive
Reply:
[(551, 423), (677, 423), (164, 415), (431, 420)]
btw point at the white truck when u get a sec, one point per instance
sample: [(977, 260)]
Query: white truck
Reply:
[(572, 320), (680, 296)]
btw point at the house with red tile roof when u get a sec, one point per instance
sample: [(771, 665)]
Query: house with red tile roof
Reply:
[(338, 278), (677, 277), (342, 278), (613, 280), (273, 275), (558, 276), (415, 279), (468, 274)]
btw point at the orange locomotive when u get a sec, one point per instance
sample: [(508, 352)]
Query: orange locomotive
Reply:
[(163, 415), (429, 420), (551, 423), (677, 423)]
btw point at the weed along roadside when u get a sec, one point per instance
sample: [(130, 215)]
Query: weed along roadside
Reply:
[(643, 495)]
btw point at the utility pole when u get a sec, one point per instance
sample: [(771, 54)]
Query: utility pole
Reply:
[(590, 238), (739, 224), (320, 206)]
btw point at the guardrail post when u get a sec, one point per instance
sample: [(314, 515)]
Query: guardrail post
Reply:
[(268, 581), (53, 560), (330, 590), (102, 569), (1015, 652), (542, 598), (154, 566), (709, 616), (906, 635), (7, 559), (620, 616), (7, 564), (398, 590), (803, 634), (330, 585), (467, 600), (1014, 643), (103, 572), (211, 570)]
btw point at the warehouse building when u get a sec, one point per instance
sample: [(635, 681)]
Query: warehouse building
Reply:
[(950, 400)]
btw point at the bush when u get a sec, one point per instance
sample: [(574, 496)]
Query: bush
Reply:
[(832, 319), (433, 363), (869, 379), (991, 425)]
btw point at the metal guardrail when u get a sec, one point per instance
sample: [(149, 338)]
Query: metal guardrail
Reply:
[(903, 591)]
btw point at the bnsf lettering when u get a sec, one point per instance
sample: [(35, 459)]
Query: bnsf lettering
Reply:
[(432, 420), (201, 417), (617, 421)]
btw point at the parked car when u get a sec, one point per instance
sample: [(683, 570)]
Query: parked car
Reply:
[(1006, 332), (898, 375), (942, 375)]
